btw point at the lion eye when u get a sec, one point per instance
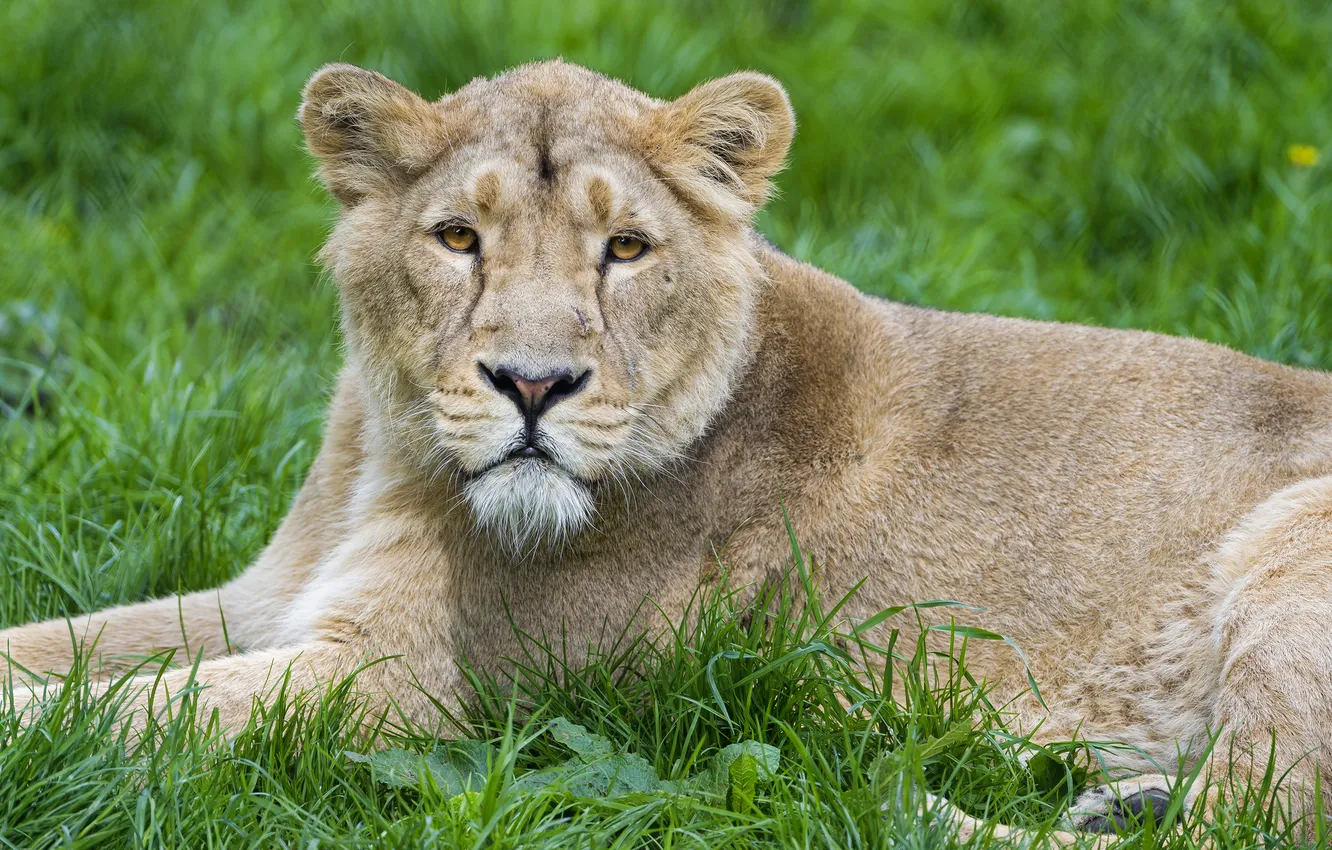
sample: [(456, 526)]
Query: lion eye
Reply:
[(625, 247), (457, 238)]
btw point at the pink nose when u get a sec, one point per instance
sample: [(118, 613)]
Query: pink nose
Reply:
[(534, 396)]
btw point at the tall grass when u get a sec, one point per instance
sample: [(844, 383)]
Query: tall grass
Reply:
[(863, 739)]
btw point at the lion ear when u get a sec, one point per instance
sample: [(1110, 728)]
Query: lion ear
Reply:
[(368, 132), (725, 140)]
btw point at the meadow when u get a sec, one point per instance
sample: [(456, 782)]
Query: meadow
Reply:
[(167, 344)]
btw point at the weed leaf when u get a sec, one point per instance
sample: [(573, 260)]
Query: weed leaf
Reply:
[(743, 775), (455, 767), (396, 768), (715, 781), (588, 746), (613, 776)]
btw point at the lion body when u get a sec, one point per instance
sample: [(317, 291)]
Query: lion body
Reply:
[(1149, 518)]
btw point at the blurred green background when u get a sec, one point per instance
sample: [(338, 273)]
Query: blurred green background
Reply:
[(166, 341)]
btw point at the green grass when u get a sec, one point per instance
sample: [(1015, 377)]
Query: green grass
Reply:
[(167, 344)]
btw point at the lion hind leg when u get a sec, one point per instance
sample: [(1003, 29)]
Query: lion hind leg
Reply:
[(1273, 639)]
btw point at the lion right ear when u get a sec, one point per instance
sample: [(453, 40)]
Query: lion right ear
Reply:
[(369, 133), (725, 140)]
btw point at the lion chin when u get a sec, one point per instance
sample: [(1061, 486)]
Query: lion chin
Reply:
[(529, 503)]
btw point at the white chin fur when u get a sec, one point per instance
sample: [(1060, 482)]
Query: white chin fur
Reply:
[(526, 503)]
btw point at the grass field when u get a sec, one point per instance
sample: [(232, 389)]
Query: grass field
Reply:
[(166, 346)]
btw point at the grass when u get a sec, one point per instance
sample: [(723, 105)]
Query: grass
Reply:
[(166, 346)]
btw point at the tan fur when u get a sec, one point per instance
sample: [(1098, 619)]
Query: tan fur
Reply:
[(1149, 517)]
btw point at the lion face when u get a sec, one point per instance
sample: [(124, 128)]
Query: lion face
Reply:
[(547, 278)]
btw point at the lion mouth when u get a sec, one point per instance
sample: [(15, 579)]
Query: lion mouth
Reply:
[(528, 452), (536, 458), (528, 455)]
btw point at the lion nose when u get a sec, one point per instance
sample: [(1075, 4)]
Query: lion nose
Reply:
[(534, 396)]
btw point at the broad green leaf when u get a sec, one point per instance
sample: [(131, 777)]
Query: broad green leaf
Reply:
[(465, 806), (767, 758), (396, 767), (743, 775), (587, 745), (715, 780), (459, 766), (628, 774), (1055, 777), (455, 767), (1047, 772), (613, 776)]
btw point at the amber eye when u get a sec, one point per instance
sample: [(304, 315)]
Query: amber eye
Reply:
[(625, 247), (457, 238)]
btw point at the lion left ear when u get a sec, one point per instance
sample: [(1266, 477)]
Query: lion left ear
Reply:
[(369, 133), (731, 134)]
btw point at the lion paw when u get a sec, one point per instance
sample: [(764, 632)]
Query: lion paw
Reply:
[(1121, 805)]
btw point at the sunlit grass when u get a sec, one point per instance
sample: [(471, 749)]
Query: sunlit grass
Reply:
[(856, 736)]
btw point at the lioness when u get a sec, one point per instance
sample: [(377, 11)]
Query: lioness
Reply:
[(575, 374)]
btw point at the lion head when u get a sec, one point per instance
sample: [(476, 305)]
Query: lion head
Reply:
[(548, 279)]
